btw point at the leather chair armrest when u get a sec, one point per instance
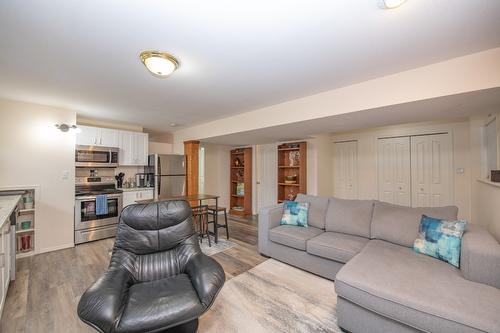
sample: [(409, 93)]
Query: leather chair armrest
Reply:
[(207, 277), (101, 303)]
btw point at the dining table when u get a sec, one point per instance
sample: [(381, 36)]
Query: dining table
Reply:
[(200, 198)]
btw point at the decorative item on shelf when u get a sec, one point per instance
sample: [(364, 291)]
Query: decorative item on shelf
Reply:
[(293, 145), (28, 201), (291, 179), (239, 176), (240, 189), (495, 176), (237, 162), (291, 195), (25, 225), (294, 158), (238, 208)]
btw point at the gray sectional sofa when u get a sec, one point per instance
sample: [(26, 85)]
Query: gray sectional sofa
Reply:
[(381, 284)]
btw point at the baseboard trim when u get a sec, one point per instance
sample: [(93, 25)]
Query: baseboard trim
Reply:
[(55, 248)]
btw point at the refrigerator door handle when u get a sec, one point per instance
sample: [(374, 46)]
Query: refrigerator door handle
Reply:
[(158, 162), (158, 188)]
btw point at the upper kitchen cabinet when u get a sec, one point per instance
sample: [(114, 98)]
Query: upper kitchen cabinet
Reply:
[(133, 148), (96, 136)]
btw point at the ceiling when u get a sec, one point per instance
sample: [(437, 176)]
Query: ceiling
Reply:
[(235, 56), (442, 108)]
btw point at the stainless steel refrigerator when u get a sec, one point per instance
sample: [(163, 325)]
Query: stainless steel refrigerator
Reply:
[(168, 173)]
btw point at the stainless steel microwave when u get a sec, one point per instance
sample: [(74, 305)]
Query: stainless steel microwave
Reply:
[(96, 157)]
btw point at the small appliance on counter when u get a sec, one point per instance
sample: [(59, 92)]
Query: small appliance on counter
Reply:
[(142, 180)]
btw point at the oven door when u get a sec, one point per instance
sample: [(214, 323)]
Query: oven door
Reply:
[(87, 156), (85, 212)]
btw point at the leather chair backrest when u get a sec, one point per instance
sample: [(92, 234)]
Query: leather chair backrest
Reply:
[(155, 227)]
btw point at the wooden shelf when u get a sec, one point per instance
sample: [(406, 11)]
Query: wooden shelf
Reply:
[(241, 174), (298, 171), (288, 149), (24, 231)]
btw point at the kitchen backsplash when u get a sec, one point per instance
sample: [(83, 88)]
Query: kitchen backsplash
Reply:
[(110, 172)]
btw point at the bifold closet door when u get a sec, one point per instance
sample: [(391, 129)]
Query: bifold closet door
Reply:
[(394, 180), (346, 170), (431, 169)]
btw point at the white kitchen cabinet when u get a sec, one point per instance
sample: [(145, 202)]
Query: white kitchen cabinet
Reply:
[(96, 136), (133, 148), (130, 197)]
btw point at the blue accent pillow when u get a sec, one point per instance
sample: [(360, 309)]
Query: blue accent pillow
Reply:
[(440, 239), (295, 213)]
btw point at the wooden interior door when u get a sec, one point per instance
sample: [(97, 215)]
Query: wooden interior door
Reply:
[(346, 170), (394, 180), (431, 167)]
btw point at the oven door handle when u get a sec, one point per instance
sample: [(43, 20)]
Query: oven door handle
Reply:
[(93, 197)]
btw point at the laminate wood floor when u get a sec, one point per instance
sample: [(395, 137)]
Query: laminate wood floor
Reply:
[(48, 286)]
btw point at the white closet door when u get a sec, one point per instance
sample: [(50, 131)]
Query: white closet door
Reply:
[(346, 170), (394, 180), (431, 165), (266, 175)]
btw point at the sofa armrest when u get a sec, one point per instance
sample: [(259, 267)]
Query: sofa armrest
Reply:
[(269, 217), (480, 256)]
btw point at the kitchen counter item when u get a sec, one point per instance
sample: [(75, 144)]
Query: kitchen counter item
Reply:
[(7, 205)]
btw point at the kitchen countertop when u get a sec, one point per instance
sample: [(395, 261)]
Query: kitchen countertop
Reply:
[(131, 189), (7, 205)]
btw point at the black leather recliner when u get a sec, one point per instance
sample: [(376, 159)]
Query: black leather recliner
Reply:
[(158, 279)]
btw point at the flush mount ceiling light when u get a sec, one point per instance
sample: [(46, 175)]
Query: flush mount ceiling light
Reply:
[(390, 4), (66, 127), (160, 64)]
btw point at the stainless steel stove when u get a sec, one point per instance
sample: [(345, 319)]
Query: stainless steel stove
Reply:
[(90, 224)]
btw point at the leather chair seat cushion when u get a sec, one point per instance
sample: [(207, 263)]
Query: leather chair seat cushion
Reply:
[(160, 303), (336, 246), (417, 290), (293, 236)]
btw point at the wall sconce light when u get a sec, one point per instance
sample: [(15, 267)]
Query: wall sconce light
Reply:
[(66, 127)]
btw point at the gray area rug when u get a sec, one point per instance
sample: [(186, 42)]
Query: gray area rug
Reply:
[(222, 245), (273, 297)]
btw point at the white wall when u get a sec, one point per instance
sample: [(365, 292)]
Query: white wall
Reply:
[(34, 152), (367, 157), (217, 172)]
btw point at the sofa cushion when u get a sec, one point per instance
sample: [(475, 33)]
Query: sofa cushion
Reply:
[(349, 216), (293, 236), (417, 290), (317, 209), (336, 246), (399, 224)]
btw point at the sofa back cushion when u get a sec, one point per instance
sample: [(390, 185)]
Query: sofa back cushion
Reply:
[(317, 209), (399, 224), (351, 217)]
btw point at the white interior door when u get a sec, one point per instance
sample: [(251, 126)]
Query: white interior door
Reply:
[(346, 170), (394, 180), (431, 165), (266, 175)]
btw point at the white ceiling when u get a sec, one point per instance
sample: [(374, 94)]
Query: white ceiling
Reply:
[(442, 108), (235, 56)]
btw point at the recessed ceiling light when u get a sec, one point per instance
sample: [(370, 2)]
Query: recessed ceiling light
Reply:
[(160, 64), (390, 4), (173, 124)]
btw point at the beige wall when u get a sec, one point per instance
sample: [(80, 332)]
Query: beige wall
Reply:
[(367, 157), (217, 172), (34, 152), (485, 197), (160, 148)]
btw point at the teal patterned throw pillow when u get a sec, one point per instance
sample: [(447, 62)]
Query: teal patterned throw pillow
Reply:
[(440, 239), (295, 213)]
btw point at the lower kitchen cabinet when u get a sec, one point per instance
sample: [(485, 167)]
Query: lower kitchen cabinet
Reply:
[(130, 197)]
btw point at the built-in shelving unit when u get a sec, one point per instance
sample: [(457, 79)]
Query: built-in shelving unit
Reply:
[(241, 182), (25, 225), (292, 170)]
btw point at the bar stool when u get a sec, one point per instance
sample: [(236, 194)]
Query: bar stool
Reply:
[(213, 210), (200, 216)]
